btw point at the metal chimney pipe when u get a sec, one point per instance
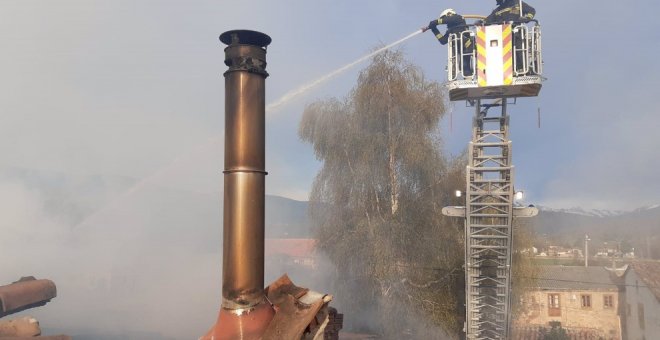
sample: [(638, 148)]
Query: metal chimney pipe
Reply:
[(245, 311), (245, 162)]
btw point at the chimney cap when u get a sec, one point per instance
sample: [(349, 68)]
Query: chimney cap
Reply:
[(245, 37)]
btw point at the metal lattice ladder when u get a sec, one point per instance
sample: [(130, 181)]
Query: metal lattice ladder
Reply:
[(488, 224), (488, 213)]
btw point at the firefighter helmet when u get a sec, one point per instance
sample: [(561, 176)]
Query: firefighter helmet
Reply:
[(447, 12)]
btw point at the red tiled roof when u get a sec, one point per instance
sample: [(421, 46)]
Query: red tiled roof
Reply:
[(295, 247)]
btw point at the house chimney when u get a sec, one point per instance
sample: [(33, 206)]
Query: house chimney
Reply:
[(245, 311)]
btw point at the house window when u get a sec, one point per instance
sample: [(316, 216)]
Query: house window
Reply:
[(586, 301), (554, 305), (608, 301)]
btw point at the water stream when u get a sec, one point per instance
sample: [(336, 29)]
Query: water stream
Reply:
[(305, 88)]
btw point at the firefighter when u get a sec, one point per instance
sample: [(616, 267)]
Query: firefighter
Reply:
[(509, 10), (455, 25)]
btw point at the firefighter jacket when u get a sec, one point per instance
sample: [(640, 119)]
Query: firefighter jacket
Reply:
[(455, 24), (509, 10)]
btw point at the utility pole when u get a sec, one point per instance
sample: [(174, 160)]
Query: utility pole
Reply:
[(586, 250)]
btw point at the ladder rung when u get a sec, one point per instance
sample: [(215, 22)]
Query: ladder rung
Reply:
[(492, 119), (491, 181), (488, 226), (491, 193), (491, 168), (489, 236), (489, 144), (491, 157), (493, 204)]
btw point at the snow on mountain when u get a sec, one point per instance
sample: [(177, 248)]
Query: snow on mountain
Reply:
[(598, 212), (651, 207), (585, 212)]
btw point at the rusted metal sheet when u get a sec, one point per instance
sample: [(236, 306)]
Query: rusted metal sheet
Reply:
[(25, 326), (300, 313), (278, 290), (25, 294), (291, 319)]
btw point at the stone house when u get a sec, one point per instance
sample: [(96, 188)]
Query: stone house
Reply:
[(642, 301), (583, 300)]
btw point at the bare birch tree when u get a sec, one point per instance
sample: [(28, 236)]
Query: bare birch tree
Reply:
[(377, 202)]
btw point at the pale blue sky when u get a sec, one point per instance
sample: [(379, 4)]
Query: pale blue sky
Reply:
[(126, 87)]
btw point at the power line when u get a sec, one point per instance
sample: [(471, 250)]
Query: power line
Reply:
[(589, 282), (540, 278)]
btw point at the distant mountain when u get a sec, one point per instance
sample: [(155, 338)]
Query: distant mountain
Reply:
[(637, 229), (287, 218), (553, 221), (599, 212), (585, 212)]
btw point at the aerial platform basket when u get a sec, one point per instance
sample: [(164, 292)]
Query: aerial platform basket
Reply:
[(506, 61)]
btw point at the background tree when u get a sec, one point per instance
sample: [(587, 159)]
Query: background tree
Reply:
[(556, 332), (377, 201), (524, 272)]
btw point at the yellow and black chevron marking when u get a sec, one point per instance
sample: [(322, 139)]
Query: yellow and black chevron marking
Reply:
[(507, 54), (481, 56)]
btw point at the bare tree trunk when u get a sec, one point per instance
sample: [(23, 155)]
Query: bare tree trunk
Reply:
[(394, 184)]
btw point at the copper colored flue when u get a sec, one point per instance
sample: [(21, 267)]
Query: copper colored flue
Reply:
[(245, 311)]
